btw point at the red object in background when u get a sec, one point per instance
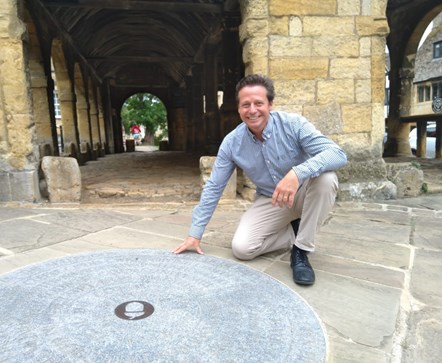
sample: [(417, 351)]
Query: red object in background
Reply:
[(135, 129)]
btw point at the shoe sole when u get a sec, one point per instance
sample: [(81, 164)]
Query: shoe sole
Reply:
[(305, 283)]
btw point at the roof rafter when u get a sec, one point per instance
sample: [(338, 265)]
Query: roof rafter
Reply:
[(140, 5)]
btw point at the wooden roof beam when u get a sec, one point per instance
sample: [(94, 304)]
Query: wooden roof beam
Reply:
[(167, 6)]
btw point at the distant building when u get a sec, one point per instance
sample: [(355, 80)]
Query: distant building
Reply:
[(427, 83)]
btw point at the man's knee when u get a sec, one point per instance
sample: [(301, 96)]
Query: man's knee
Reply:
[(242, 251), (326, 182)]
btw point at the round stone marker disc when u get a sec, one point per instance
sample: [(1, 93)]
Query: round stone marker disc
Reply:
[(153, 306)]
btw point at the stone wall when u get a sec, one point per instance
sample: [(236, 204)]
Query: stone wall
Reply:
[(326, 58), (18, 153), (327, 61)]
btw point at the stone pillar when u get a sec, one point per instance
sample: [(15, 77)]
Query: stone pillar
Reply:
[(19, 160), (67, 108), (403, 129), (177, 129), (231, 73), (334, 77), (83, 128), (117, 131), (101, 129), (421, 134), (206, 165), (439, 139), (108, 119), (198, 106), (190, 129), (93, 114), (211, 116), (40, 101)]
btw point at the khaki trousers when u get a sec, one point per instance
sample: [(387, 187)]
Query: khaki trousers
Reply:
[(265, 228)]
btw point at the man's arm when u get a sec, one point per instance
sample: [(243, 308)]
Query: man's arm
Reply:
[(325, 154), (221, 172)]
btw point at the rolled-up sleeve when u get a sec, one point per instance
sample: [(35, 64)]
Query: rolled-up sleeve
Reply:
[(213, 189), (325, 155)]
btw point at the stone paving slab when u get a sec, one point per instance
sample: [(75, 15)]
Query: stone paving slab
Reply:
[(24, 234), (367, 229), (13, 213), (423, 342), (87, 220), (427, 234), (363, 249), (361, 311), (358, 270), (378, 265), (426, 278)]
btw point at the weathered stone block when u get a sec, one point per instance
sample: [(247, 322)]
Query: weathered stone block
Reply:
[(374, 8), (370, 190), (367, 25), (329, 46), (24, 186), (255, 48), (5, 187), (336, 26), (254, 28), (326, 118), (206, 164), (349, 7), (282, 46), (254, 9), (340, 90), (63, 179), (307, 68), (407, 177), (248, 194), (352, 68), (365, 46), (258, 65), (301, 92), (363, 90), (356, 118), (422, 343), (279, 26), (365, 169), (295, 26), (302, 7)]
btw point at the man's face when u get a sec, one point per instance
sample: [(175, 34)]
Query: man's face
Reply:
[(254, 108)]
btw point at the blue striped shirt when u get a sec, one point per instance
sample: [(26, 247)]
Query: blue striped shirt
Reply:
[(290, 142)]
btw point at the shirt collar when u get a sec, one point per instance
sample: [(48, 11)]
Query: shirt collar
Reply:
[(266, 133)]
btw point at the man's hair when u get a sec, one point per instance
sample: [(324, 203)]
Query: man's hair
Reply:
[(256, 80)]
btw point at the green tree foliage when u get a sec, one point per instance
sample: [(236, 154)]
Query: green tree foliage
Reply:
[(145, 109)]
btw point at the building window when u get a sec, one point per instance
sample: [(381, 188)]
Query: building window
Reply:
[(420, 94), (423, 93), (57, 105), (437, 90), (427, 93), (437, 50)]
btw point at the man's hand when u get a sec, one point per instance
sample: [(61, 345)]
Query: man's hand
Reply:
[(284, 194), (189, 242)]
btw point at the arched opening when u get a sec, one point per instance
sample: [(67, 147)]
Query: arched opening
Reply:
[(407, 77), (144, 118)]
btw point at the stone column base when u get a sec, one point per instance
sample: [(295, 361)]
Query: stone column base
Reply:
[(19, 186)]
